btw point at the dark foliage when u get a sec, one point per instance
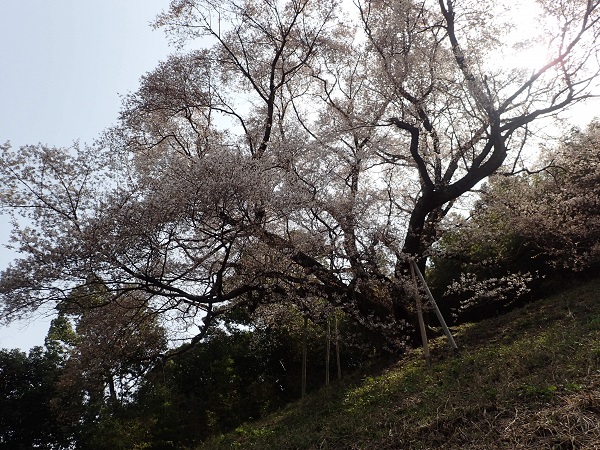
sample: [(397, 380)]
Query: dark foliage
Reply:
[(27, 386)]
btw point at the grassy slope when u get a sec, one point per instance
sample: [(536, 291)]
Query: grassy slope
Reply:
[(529, 379)]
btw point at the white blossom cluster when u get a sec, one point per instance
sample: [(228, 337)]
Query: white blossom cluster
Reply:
[(509, 287)]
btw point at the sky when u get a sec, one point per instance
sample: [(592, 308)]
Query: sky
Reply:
[(64, 66)]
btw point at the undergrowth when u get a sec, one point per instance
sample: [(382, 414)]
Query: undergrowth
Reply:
[(529, 379)]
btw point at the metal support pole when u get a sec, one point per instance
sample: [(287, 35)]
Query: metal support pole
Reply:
[(415, 268), (420, 317), (328, 351), (304, 353)]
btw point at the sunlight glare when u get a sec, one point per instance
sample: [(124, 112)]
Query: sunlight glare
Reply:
[(528, 49)]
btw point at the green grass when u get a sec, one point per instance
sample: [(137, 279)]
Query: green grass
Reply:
[(529, 379)]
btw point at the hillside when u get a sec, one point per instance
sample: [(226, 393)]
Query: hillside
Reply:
[(527, 380)]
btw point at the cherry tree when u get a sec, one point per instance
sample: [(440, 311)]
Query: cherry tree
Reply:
[(292, 149), (550, 219)]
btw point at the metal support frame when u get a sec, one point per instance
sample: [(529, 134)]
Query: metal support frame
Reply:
[(414, 269)]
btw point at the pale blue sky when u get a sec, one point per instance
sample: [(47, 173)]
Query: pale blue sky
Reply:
[(63, 66)]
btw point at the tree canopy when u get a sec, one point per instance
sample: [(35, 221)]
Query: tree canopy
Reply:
[(292, 149)]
